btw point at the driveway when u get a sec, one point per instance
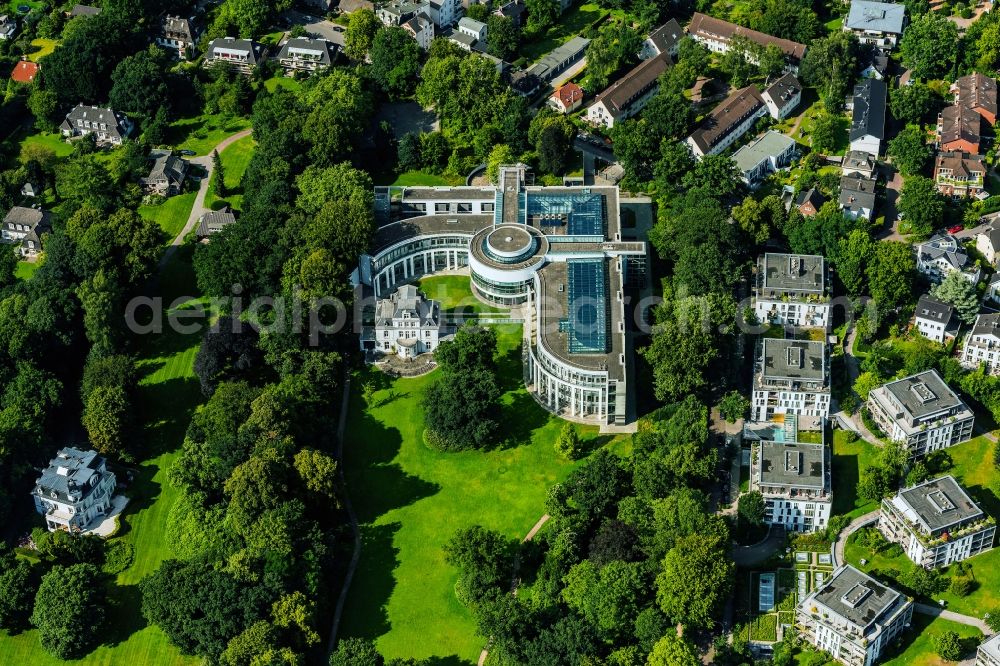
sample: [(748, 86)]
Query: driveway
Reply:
[(893, 187), (760, 552), (316, 26), (198, 209)]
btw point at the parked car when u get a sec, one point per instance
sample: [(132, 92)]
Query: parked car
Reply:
[(955, 229)]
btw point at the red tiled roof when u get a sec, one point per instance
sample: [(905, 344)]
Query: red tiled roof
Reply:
[(569, 94), (24, 71)]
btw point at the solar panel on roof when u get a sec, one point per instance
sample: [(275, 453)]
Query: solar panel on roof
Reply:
[(587, 326)]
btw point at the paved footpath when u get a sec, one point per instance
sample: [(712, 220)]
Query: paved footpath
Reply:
[(198, 209), (852, 527), (937, 611)]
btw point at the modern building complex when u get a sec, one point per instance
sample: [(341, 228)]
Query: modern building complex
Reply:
[(868, 116), (792, 290), (178, 35), (853, 616), (242, 55), (763, 156), (406, 323), (958, 174), (936, 523), (628, 95), (940, 255), (877, 23), (302, 54), (75, 490), (982, 345), (934, 319), (922, 412), (25, 227), (559, 254), (104, 124), (727, 122), (717, 34), (790, 377), (794, 478)]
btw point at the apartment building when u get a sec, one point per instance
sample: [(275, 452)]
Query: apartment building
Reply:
[(958, 174), (302, 54), (792, 290), (934, 319), (879, 24), (853, 616), (628, 95), (763, 156), (790, 377), (717, 35), (936, 523), (941, 255), (988, 653), (727, 122), (243, 55), (794, 478), (982, 346), (868, 116), (922, 412)]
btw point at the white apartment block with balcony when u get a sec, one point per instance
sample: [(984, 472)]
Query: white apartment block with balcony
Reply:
[(853, 617), (936, 523), (988, 653), (75, 490), (792, 290), (983, 344), (922, 412), (794, 478), (790, 377)]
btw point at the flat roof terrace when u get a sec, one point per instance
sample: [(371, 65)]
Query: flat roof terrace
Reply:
[(394, 232), (793, 465), (793, 272), (793, 359), (940, 503), (857, 597), (923, 394), (562, 331)]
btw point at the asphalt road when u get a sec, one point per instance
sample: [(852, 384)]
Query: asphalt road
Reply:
[(316, 26)]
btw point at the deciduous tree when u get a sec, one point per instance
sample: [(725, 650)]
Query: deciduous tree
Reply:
[(69, 610), (909, 150), (929, 46)]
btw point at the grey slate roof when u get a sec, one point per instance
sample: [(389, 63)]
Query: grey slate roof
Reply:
[(792, 464), (934, 310), (553, 62), (115, 121), (793, 359), (213, 222), (666, 37), (84, 10), (307, 46), (939, 503), (166, 166), (858, 160), (855, 596), (987, 324), (177, 27), (408, 299), (813, 196), (923, 393), (253, 50), (471, 24), (857, 193), (946, 247), (783, 90), (876, 16), (72, 470), (869, 110)]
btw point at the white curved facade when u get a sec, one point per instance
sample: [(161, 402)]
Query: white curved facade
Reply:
[(557, 251)]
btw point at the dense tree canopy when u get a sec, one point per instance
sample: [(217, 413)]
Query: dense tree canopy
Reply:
[(69, 610)]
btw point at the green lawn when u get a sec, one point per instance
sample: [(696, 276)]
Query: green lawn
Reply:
[(235, 159), (50, 140), (919, 651), (415, 178), (575, 19), (203, 134), (25, 269), (848, 461), (172, 214), (280, 81), (454, 294), (804, 134), (411, 499), (168, 394), (44, 46)]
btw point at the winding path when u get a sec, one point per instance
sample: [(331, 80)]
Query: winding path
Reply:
[(527, 537), (937, 611), (198, 209), (852, 527), (853, 371)]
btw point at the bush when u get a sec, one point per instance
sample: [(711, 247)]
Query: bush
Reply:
[(118, 557), (948, 645), (960, 586)]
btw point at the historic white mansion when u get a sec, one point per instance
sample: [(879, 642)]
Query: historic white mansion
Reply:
[(557, 252)]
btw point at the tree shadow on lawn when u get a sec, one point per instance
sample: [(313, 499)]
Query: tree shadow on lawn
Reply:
[(519, 419), (374, 582), (125, 616), (166, 409), (986, 498), (846, 471)]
